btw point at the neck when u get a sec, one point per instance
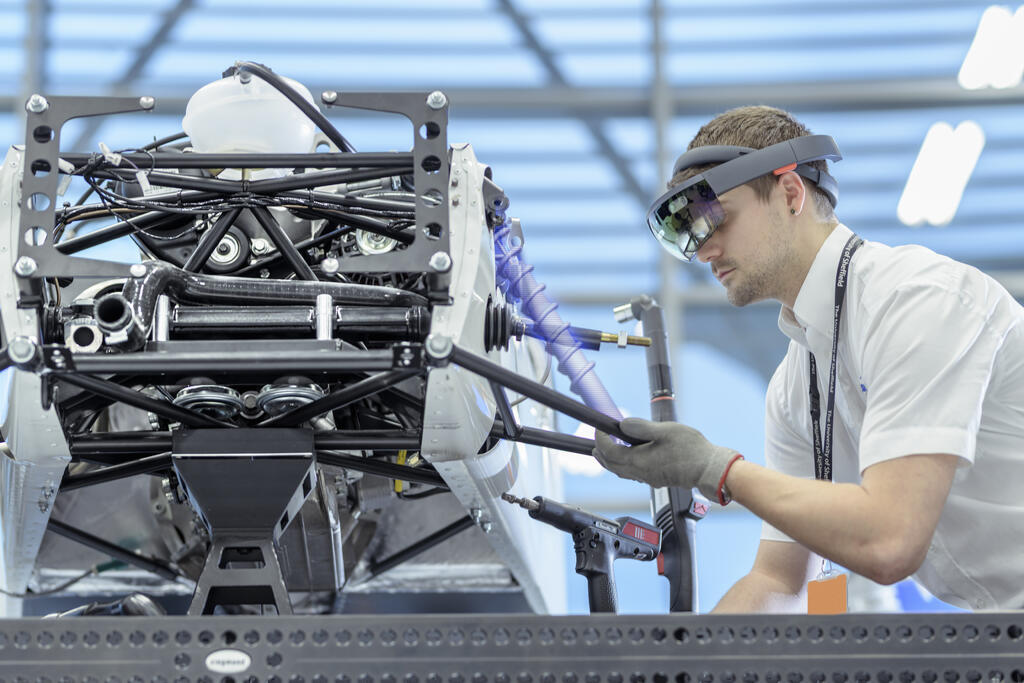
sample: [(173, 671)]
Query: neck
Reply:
[(806, 245)]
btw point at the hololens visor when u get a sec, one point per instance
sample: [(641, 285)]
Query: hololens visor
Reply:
[(683, 218)]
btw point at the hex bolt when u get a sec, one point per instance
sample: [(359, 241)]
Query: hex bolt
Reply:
[(21, 349), (137, 270), (437, 100), (330, 265), (440, 261), (486, 527), (25, 266), (147, 102), (476, 514), (329, 96), (37, 104), (439, 346), (260, 246)]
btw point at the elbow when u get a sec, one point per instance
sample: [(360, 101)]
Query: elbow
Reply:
[(894, 559)]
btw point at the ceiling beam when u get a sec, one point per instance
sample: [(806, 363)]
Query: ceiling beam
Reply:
[(593, 124), (143, 55), (554, 101)]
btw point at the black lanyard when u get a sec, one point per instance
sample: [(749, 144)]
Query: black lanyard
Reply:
[(823, 453)]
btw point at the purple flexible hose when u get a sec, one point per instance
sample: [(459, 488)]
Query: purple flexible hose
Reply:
[(519, 283)]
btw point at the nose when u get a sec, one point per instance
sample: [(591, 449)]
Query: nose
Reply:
[(710, 250)]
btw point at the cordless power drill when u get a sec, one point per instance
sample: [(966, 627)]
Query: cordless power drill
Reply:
[(598, 542)]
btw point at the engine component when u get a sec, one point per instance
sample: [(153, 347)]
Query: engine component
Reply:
[(211, 399), (287, 394), (374, 243)]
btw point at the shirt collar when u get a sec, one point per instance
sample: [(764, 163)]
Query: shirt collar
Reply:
[(813, 308)]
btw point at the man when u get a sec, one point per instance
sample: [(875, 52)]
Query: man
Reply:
[(925, 421)]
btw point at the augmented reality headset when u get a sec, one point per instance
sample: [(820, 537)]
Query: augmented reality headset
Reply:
[(683, 218)]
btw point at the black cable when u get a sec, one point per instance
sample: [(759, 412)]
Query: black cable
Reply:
[(56, 589), (299, 101), (156, 144)]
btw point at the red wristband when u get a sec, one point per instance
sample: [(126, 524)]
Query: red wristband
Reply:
[(721, 482)]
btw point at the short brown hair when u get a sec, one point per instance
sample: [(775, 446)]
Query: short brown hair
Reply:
[(758, 127)]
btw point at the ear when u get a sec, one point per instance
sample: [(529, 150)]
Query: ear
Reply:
[(794, 192)]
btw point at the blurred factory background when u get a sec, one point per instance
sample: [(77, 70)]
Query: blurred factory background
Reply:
[(580, 107)]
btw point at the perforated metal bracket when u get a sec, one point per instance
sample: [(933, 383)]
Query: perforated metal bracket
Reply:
[(37, 257), (428, 113), (517, 648)]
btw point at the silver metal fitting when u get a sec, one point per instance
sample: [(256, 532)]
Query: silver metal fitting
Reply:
[(330, 265), (437, 100), (25, 266), (260, 246), (623, 313), (21, 349), (476, 514), (137, 270), (486, 527), (439, 346), (37, 104), (329, 96), (147, 102), (440, 261), (244, 76)]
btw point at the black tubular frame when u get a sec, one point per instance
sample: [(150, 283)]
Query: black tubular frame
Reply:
[(117, 552), (428, 164), (377, 568)]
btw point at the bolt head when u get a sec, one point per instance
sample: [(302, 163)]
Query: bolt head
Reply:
[(437, 100), (37, 104), (25, 266), (330, 265), (147, 102), (329, 96), (439, 346), (137, 270), (440, 261), (486, 527), (21, 349), (260, 246)]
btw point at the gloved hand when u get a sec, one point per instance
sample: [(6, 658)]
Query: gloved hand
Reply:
[(675, 455)]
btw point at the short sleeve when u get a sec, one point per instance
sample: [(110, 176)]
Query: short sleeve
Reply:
[(787, 441), (927, 360)]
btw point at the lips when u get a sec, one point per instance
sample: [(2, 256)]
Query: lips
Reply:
[(722, 274)]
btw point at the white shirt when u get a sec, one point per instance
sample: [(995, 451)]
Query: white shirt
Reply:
[(930, 360)]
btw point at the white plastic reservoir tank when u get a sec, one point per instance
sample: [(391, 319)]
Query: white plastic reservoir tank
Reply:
[(231, 116)]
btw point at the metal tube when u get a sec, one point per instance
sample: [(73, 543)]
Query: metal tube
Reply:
[(538, 392), (340, 398), (117, 552), (152, 463), (162, 319), (283, 243), (140, 444), (402, 160), (154, 220), (368, 440), (542, 437), (510, 427), (324, 316), (436, 538), (382, 469), (137, 399), (177, 363), (208, 243)]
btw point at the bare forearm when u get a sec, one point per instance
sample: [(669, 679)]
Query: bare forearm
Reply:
[(758, 592), (837, 521)]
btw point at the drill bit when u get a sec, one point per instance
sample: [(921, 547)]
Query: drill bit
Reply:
[(524, 503)]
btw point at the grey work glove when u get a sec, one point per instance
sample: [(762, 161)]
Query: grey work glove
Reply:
[(675, 455)]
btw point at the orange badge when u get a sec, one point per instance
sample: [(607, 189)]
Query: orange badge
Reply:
[(827, 595)]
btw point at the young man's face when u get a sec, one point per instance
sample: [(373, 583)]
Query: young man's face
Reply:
[(750, 252)]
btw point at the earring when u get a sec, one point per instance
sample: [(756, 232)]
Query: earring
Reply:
[(793, 211)]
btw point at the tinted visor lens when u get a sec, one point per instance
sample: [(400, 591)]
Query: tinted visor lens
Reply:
[(684, 218)]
